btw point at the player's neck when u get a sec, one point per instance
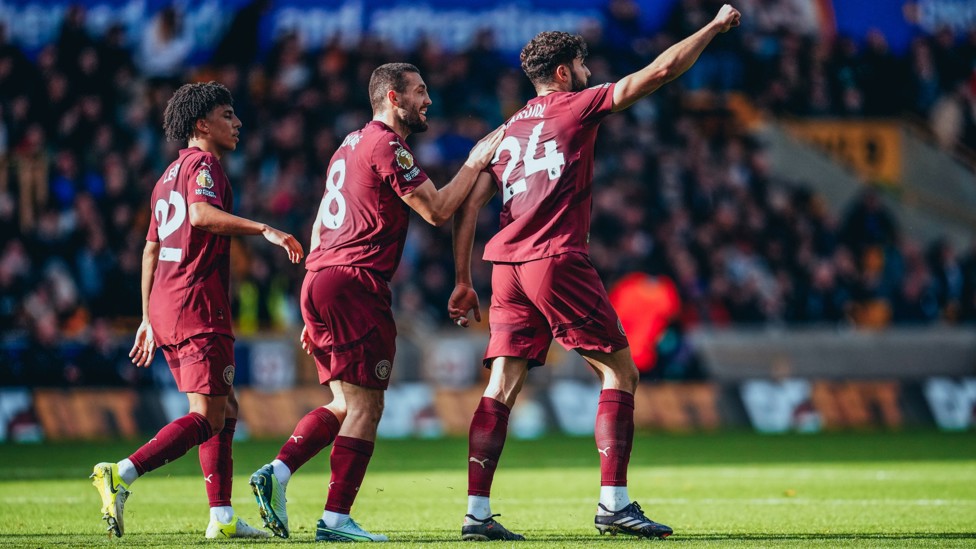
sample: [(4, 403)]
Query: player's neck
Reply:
[(542, 92), (390, 120), (205, 145)]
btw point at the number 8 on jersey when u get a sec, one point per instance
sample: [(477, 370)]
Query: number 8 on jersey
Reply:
[(333, 184)]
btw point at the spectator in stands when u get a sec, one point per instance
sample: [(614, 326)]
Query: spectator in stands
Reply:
[(881, 77), (685, 192), (868, 223), (43, 362), (103, 361), (948, 277), (915, 302), (30, 162), (967, 300), (238, 46), (165, 46), (820, 299)]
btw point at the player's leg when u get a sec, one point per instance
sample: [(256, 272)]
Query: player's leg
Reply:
[(217, 463), (568, 291), (486, 440), (314, 432), (351, 453), (112, 480), (614, 434), (519, 336), (317, 430)]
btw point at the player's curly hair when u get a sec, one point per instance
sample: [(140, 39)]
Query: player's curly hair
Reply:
[(191, 103), (390, 76), (548, 50)]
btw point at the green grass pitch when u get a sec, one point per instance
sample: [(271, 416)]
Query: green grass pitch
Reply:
[(910, 489)]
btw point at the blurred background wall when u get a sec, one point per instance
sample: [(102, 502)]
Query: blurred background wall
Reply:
[(786, 230)]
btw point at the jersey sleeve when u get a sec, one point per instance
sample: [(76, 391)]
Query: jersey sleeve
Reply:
[(206, 181), (395, 164), (152, 235), (592, 104)]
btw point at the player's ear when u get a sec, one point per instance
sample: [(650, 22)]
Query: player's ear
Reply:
[(393, 97), (201, 126), (563, 73)]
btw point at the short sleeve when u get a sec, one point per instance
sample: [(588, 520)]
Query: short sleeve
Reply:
[(395, 164), (206, 181), (592, 104), (153, 234)]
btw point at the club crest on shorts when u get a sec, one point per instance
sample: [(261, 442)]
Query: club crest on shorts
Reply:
[(229, 375), (383, 369), (620, 326)]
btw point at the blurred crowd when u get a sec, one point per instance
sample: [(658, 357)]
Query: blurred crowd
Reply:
[(681, 190)]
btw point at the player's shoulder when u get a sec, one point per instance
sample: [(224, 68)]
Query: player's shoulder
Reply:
[(388, 143), (376, 130), (194, 158), (592, 90), (373, 137), (389, 139)]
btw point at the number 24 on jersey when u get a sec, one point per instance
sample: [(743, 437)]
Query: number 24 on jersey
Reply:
[(552, 161)]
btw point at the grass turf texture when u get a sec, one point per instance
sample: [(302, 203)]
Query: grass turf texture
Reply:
[(911, 489)]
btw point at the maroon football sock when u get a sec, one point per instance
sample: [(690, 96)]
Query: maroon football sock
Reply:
[(314, 432), (350, 457), (171, 442), (614, 435), (486, 439), (217, 463)]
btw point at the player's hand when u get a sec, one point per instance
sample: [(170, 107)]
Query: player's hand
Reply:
[(286, 241), (463, 299), (727, 18), (145, 346), (306, 341), (484, 150)]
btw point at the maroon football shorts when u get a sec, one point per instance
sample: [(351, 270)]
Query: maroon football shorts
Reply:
[(559, 297), (348, 315), (203, 364)]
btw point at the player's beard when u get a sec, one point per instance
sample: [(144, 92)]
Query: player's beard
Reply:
[(579, 84), (414, 122)]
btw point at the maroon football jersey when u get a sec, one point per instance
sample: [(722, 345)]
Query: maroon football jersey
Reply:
[(544, 172), (363, 219), (191, 288)]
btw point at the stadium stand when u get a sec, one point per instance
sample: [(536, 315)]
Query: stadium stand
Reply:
[(686, 188)]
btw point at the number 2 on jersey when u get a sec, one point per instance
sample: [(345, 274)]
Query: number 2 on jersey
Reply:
[(552, 161), (333, 184), (166, 225)]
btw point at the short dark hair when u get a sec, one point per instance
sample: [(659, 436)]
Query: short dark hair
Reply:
[(548, 50), (390, 76), (191, 103)]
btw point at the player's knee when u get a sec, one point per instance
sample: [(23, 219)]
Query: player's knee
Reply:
[(216, 421), (232, 408), (215, 412), (627, 376), (214, 409), (366, 413), (338, 409), (376, 412)]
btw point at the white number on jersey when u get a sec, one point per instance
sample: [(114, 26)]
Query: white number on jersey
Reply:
[(166, 225), (551, 162), (333, 184)]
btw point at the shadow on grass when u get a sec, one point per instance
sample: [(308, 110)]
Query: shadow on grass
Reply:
[(73, 459), (823, 537), (173, 539), (838, 536)]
